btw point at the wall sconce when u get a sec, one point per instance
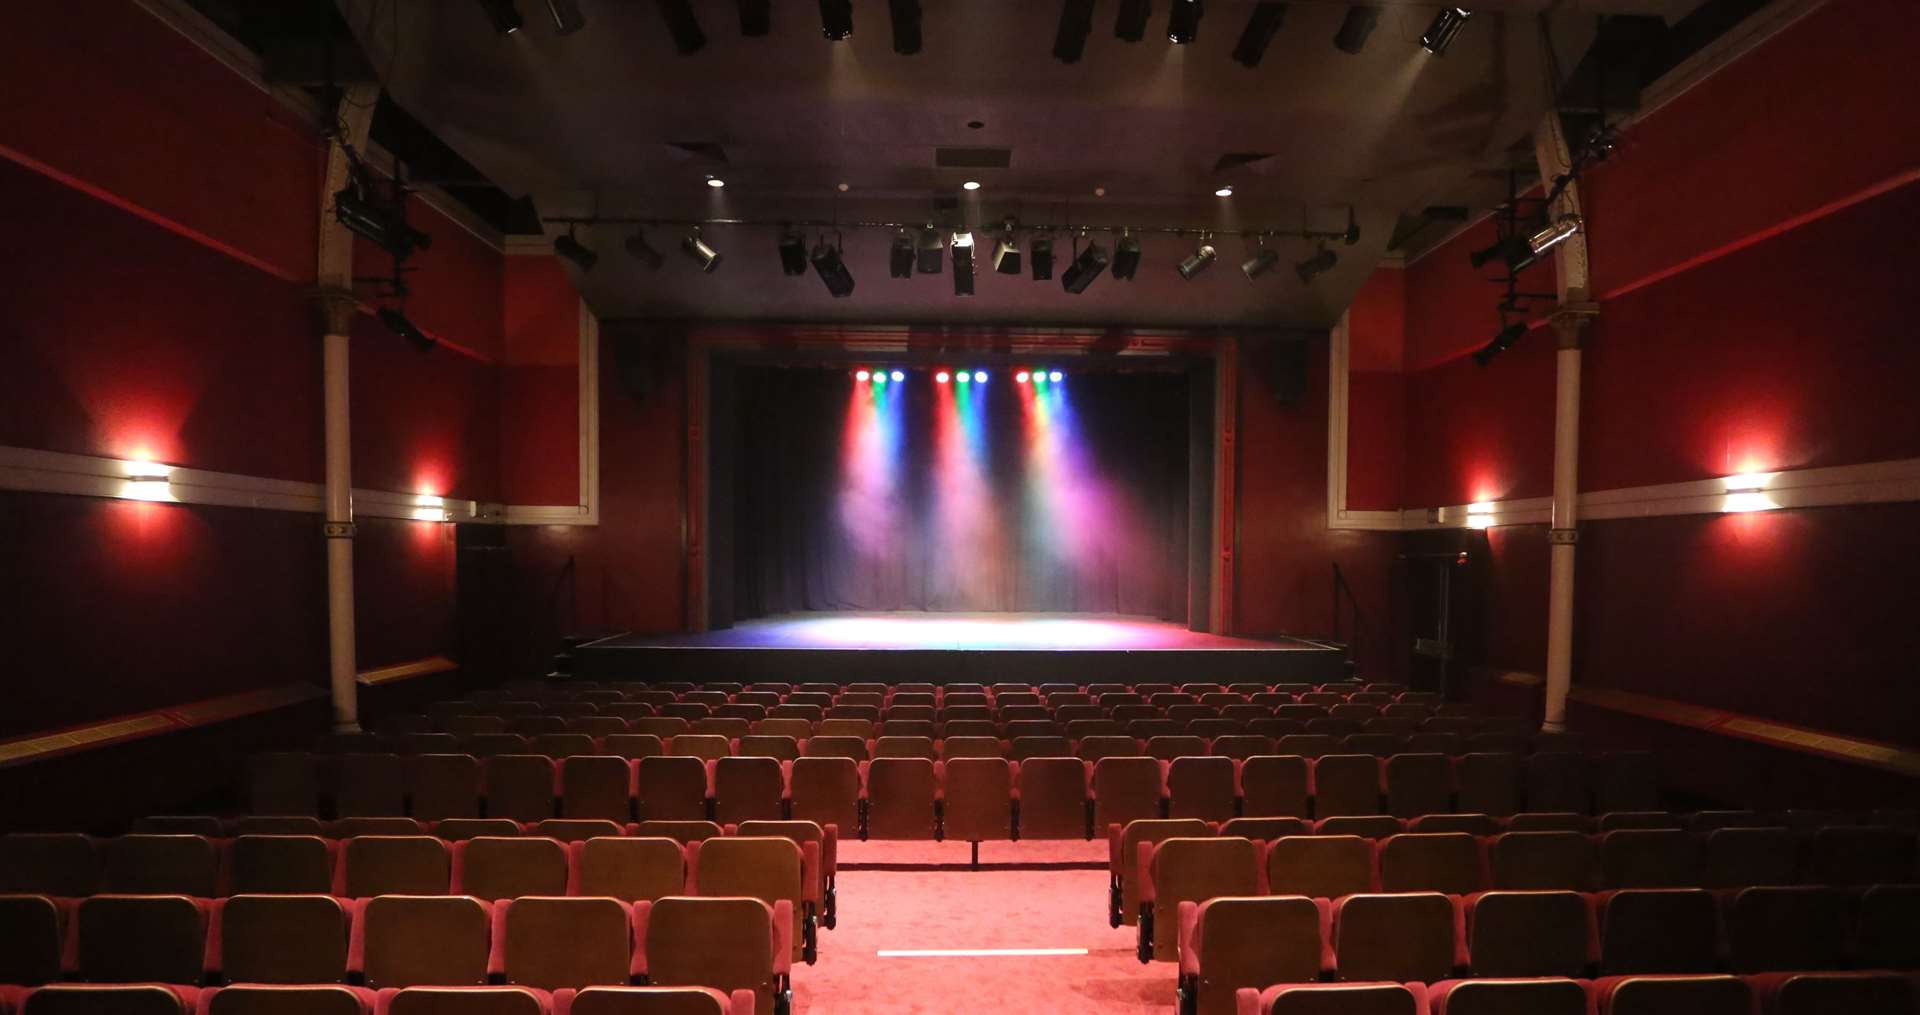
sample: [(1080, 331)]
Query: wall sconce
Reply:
[(430, 508), (1480, 515), (1747, 492), (149, 481)]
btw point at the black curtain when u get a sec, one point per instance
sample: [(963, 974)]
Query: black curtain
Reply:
[(918, 496)]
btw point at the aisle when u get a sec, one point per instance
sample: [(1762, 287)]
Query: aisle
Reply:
[(945, 910)]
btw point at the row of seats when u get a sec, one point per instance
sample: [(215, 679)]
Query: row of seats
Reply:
[(395, 941), (1060, 707), (1784, 993), (790, 861), (335, 999), (1289, 861), (909, 797), (909, 692), (1231, 942)]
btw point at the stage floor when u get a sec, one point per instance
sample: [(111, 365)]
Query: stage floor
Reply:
[(944, 647)]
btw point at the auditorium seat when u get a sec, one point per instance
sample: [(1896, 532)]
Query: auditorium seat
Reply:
[(836, 729), (972, 747), (798, 729), (287, 999), (652, 1001), (749, 789), (1380, 745), (159, 865), (140, 939), (1396, 937), (1627, 781), (1779, 927), (423, 743), (727, 944), (1543, 860), (1658, 930), (1555, 781), (575, 829), (1672, 995), (1340, 729), (1275, 785), (1425, 742), (829, 745), (474, 725), (665, 727), (1530, 933), (1052, 792), (727, 728), (1265, 829), (1227, 943), (1861, 993), (1448, 862), (1625, 820), (670, 788), (1147, 730), (1126, 789), (506, 868), (1367, 826), (826, 791), (772, 869), (1649, 858), (1021, 748), (978, 799), (1477, 825), (1240, 746), (347, 828), (1307, 745), (1488, 783), (1552, 995), (409, 940), (278, 864), (777, 746), (691, 711), (542, 725), (1334, 999), (519, 786), (110, 999), (629, 868), (801, 833), (556, 943), (560, 746), (1214, 728), (34, 928), (1201, 787), (599, 786), (1093, 748), (1885, 928), (907, 729), (1321, 866), (444, 786), (705, 746), (486, 745), (392, 865), (459, 829), (1738, 857), (180, 824), (1418, 784), (1168, 748), (1188, 870), (1860, 855), (283, 783), (280, 939), (901, 794)]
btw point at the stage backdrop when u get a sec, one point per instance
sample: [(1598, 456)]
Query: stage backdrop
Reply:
[(1067, 496)]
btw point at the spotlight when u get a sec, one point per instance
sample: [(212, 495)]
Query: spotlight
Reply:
[(1259, 264), (793, 253), (832, 270), (940, 378), (1224, 191), (756, 17), (683, 26), (575, 251), (896, 377), (1446, 25), (715, 182), (1131, 25), (880, 377), (382, 224), (964, 377), (931, 248), (566, 15), (1039, 377), (1126, 256), (906, 26), (504, 15), (1262, 25), (963, 264), (970, 185), (836, 19), (1076, 23), (979, 377), (398, 323), (1053, 375), (1519, 251), (640, 250), (1354, 29), (1085, 268), (1006, 253), (1200, 260), (1183, 22), (1320, 263), (698, 249), (1040, 252), (1501, 343), (861, 375), (1020, 378), (1352, 235), (900, 259)]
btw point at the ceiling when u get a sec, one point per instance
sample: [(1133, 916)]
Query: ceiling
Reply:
[(611, 121)]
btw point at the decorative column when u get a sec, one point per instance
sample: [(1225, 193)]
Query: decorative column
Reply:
[(1568, 323)]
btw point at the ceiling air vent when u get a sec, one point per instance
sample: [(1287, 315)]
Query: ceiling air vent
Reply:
[(973, 158), (1235, 160), (701, 150)]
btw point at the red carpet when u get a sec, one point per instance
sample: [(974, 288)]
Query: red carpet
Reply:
[(991, 909)]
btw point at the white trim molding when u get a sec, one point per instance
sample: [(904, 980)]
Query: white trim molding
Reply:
[(587, 512), (1339, 367)]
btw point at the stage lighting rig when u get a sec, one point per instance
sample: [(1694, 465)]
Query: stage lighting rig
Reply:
[(1446, 25), (1040, 252), (756, 18), (397, 322), (1352, 235), (1183, 22), (1355, 28), (793, 252), (382, 220), (836, 19), (703, 254), (1006, 252), (962, 262), (566, 16), (1087, 266), (504, 15), (1519, 252), (1262, 25), (688, 39), (1260, 263), (640, 250), (573, 250), (900, 257), (930, 251), (832, 269), (906, 26), (1320, 263), (1076, 23), (1130, 25), (1126, 256), (1509, 334), (1200, 260)]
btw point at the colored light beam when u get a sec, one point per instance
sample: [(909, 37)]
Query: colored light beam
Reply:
[(872, 512), (967, 534)]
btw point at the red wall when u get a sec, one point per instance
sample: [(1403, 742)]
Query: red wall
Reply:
[(1751, 319), (161, 216)]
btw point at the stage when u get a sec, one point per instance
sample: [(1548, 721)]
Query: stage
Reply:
[(957, 648)]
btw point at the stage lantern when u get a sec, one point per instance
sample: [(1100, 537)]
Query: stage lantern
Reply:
[(898, 376), (965, 377), (940, 378), (1020, 378), (1053, 375), (980, 376), (861, 375)]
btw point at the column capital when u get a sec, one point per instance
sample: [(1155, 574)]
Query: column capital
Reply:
[(1570, 319), (334, 310)]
